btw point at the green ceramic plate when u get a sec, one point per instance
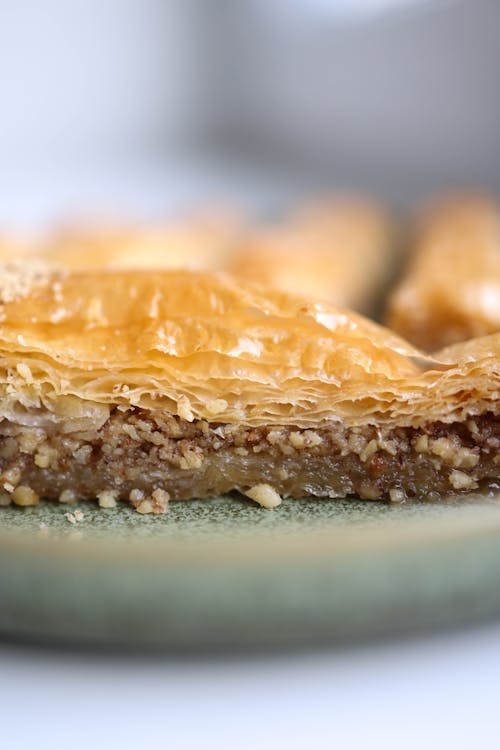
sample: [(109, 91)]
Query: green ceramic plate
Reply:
[(226, 573)]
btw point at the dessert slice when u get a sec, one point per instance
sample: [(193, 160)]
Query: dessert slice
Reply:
[(201, 241), (336, 250), (451, 289), (157, 386)]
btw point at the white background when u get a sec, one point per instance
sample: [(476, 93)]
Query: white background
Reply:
[(396, 97), (438, 692)]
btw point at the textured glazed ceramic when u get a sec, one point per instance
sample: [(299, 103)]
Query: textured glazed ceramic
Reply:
[(226, 573)]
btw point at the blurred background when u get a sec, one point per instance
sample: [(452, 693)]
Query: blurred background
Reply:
[(146, 106)]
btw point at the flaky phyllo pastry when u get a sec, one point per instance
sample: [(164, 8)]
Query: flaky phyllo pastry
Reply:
[(337, 249), (149, 386)]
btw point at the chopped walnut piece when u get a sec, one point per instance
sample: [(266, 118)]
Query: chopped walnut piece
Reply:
[(422, 444), (157, 503), (29, 440), (145, 506), (264, 495), (397, 496), (12, 475), (453, 454), (160, 499), (461, 481), (24, 496), (274, 436), (311, 438), (107, 498), (135, 496), (45, 456), (389, 446), (369, 450), (297, 439)]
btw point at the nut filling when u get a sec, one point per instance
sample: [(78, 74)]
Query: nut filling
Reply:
[(150, 457)]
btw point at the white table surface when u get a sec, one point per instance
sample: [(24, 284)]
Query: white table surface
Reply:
[(440, 691)]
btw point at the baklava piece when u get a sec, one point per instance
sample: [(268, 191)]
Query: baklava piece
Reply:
[(337, 250), (15, 246), (201, 241), (451, 289), (151, 387)]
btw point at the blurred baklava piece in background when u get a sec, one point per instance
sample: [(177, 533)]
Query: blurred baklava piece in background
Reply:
[(201, 240), (338, 250), (451, 289)]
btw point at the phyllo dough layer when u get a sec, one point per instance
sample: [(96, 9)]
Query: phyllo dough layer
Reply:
[(125, 384)]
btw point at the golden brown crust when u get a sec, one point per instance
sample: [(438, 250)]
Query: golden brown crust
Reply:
[(204, 346), (336, 250), (451, 290)]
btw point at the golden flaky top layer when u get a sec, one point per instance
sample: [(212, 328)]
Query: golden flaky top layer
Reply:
[(203, 345), (336, 249)]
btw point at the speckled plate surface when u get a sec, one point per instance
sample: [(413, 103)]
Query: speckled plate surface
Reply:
[(226, 573)]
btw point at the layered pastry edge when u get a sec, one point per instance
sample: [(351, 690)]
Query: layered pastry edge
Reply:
[(151, 387)]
